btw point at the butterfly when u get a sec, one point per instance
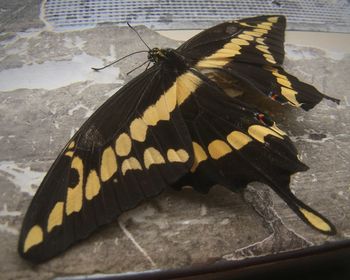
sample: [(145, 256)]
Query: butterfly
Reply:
[(171, 126)]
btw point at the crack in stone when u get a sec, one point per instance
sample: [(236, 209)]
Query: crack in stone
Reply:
[(137, 245), (281, 238)]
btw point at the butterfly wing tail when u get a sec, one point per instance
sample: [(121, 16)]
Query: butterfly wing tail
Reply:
[(305, 212)]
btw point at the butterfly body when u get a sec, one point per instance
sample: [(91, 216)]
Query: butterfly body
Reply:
[(172, 126)]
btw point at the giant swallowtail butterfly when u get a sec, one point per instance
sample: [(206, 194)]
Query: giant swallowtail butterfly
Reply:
[(171, 126)]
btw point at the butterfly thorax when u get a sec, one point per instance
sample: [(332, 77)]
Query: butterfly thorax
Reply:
[(157, 55)]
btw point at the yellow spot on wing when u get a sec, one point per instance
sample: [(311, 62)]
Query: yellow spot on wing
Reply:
[(238, 139), (34, 237), (93, 185), (273, 19), (232, 47), (245, 24), (162, 108), (218, 149), (253, 33), (130, 164), (269, 58), (74, 198), (177, 156), (260, 132), (239, 42), (284, 82), (315, 220), (150, 116), (223, 53), (264, 25), (152, 156), (218, 58), (108, 164), (138, 130), (246, 37), (260, 41), (56, 216), (279, 131), (69, 153), (261, 31), (170, 97), (199, 155), (263, 48), (276, 73), (71, 145), (212, 63), (290, 95), (123, 145), (186, 84)]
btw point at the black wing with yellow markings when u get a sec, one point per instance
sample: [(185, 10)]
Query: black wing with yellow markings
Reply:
[(258, 40), (252, 51), (171, 126), (134, 146), (235, 145)]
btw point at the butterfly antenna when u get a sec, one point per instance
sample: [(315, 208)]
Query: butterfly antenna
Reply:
[(130, 54), (137, 67), (138, 35)]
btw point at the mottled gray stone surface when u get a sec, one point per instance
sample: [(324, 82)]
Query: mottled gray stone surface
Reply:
[(48, 90), (18, 16)]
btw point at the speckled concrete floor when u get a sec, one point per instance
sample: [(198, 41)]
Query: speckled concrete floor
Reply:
[(48, 90)]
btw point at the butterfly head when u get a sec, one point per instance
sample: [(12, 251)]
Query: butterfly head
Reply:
[(156, 54), (169, 55)]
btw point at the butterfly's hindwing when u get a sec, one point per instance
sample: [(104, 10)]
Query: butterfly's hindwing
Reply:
[(234, 147), (223, 126), (277, 84)]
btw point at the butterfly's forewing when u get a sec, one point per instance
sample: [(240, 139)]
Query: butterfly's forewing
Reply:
[(251, 50), (253, 40), (134, 146)]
